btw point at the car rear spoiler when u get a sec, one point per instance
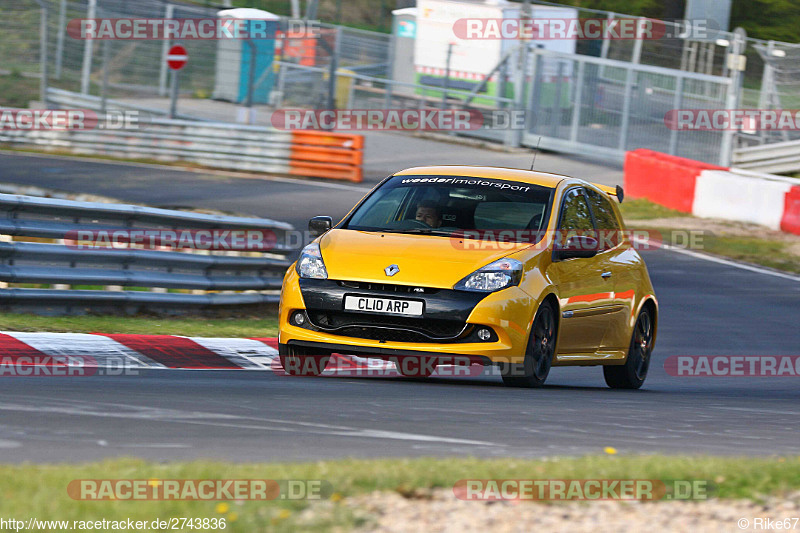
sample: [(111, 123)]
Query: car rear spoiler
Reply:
[(613, 191)]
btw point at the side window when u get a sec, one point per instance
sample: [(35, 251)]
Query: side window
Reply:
[(609, 235), (603, 211), (575, 215)]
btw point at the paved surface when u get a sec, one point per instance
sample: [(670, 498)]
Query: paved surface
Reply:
[(387, 153), (707, 308), (290, 200)]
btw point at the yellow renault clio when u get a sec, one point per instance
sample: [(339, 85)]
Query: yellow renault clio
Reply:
[(464, 265)]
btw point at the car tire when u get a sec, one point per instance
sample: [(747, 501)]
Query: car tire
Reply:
[(300, 361), (632, 374), (533, 371)]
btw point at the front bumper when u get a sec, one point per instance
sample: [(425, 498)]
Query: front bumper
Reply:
[(447, 328)]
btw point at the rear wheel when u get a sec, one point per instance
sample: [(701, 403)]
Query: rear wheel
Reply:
[(632, 374), (300, 361), (539, 353)]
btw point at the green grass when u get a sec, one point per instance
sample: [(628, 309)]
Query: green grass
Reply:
[(641, 209), (192, 327), (40, 490), (17, 90), (765, 251)]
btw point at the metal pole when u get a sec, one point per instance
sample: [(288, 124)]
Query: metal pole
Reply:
[(387, 100), (332, 81), (104, 89), (251, 76), (637, 44), (767, 79), (515, 138), (732, 100), (626, 109), (556, 113), (62, 24), (676, 104), (629, 80), (43, 54), (576, 106), (165, 45), (446, 81), (311, 10), (86, 70), (173, 103)]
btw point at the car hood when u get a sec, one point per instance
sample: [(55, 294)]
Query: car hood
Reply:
[(424, 260)]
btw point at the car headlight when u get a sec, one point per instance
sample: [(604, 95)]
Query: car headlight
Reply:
[(493, 277), (310, 264)]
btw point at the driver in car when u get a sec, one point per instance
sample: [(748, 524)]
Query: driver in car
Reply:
[(429, 213)]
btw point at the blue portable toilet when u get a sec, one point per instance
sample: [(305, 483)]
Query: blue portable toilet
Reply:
[(234, 57)]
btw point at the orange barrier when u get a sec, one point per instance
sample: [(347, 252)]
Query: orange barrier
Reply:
[(790, 222), (665, 179), (319, 154)]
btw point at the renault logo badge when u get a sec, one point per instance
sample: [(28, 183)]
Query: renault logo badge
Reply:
[(391, 270)]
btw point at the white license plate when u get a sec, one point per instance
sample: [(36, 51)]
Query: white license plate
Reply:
[(388, 306)]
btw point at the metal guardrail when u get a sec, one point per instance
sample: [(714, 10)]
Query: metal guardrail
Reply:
[(778, 158), (62, 99), (213, 144), (66, 262), (216, 145)]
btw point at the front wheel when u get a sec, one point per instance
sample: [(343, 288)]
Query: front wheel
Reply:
[(299, 361), (539, 353), (632, 374)]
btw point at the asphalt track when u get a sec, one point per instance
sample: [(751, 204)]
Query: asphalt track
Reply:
[(707, 308)]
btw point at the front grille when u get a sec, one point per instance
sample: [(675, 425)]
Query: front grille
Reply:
[(388, 328), (387, 287)]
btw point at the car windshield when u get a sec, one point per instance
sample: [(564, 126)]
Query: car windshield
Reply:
[(455, 205)]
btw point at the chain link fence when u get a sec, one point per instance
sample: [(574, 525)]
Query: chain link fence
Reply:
[(611, 95)]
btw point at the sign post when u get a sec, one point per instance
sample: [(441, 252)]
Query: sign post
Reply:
[(176, 60)]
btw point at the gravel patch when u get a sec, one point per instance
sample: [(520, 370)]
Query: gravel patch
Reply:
[(440, 511)]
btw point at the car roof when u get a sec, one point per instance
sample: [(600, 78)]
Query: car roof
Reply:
[(533, 177)]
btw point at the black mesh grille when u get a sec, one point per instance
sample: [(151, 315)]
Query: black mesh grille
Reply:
[(389, 328), (387, 287)]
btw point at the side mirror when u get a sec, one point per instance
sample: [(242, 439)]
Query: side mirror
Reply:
[(319, 225), (577, 247)]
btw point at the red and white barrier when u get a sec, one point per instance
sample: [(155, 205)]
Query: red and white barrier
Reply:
[(713, 192), (123, 351)]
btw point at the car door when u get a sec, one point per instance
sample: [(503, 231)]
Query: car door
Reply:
[(585, 290), (615, 256)]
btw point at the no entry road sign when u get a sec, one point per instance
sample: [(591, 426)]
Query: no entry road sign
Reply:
[(177, 57)]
